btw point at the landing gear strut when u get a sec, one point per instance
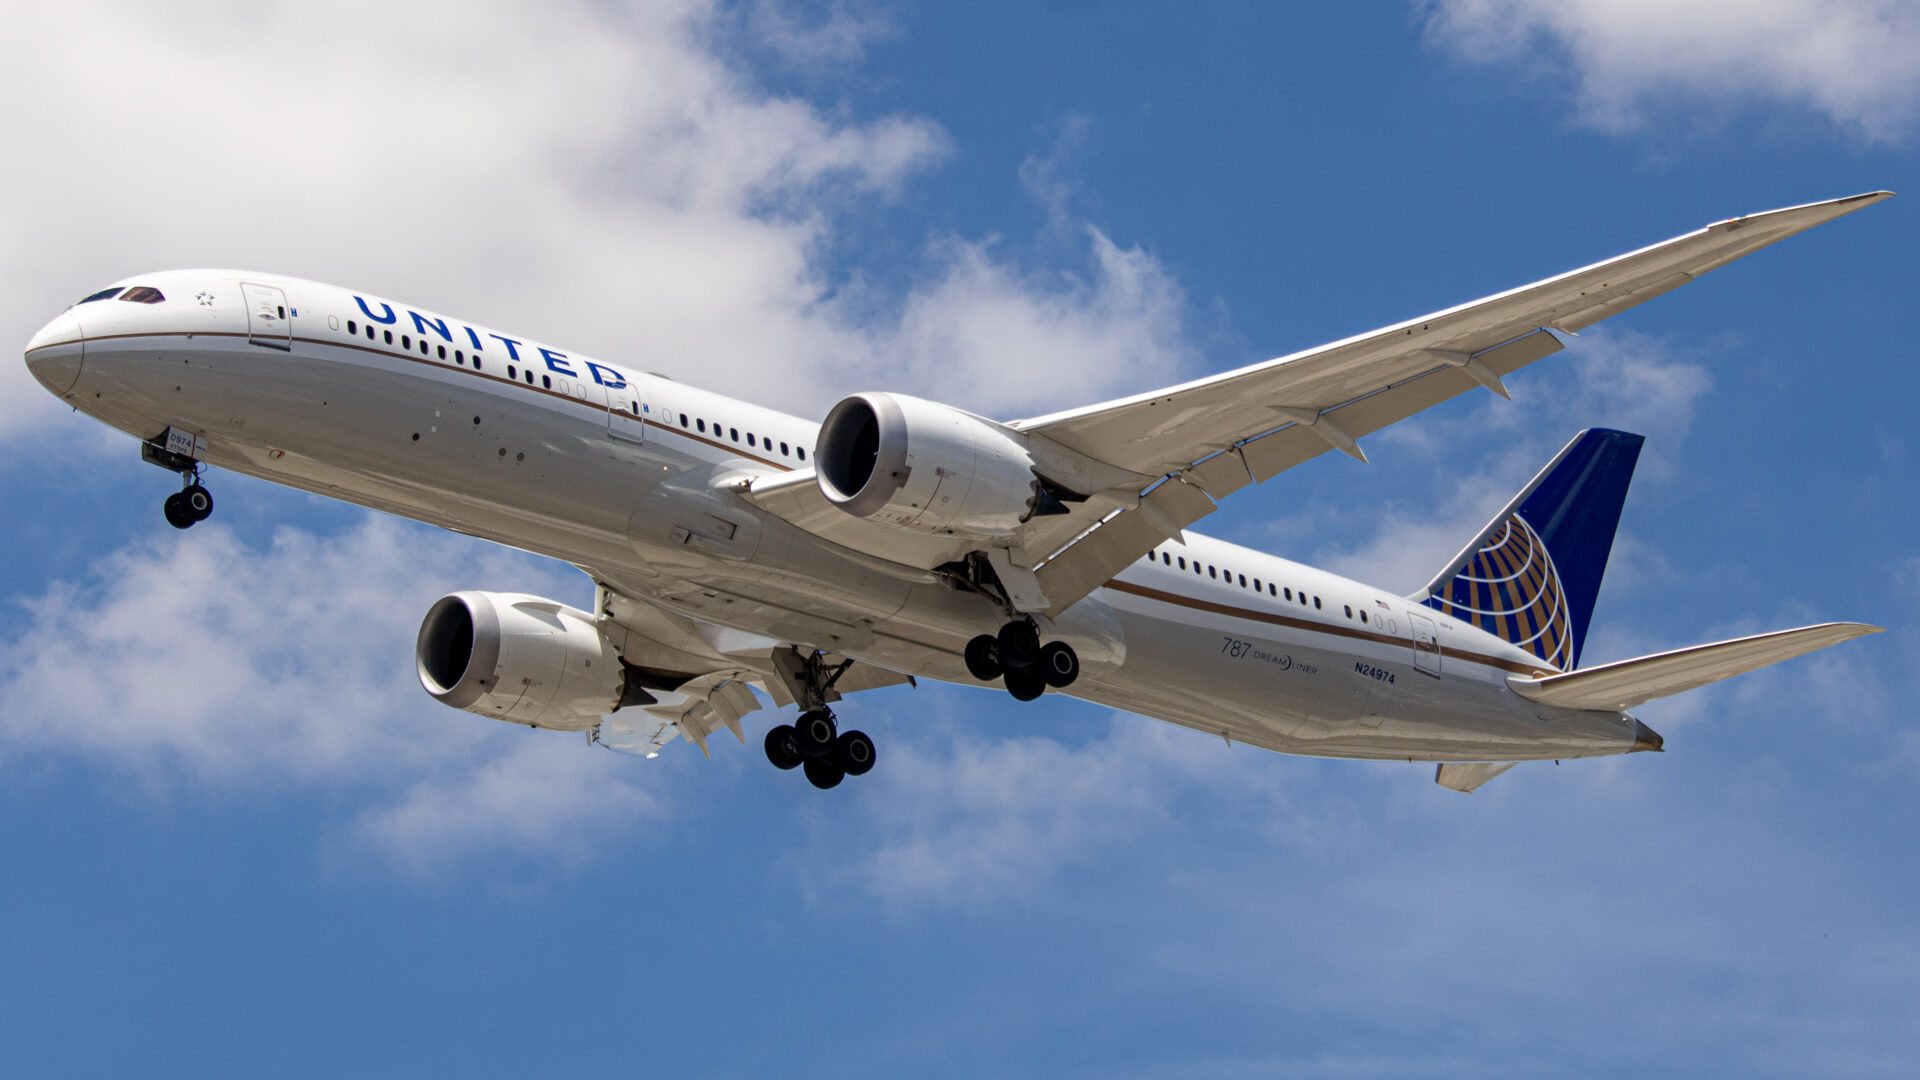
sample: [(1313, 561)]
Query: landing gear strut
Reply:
[(1016, 656), (814, 741)]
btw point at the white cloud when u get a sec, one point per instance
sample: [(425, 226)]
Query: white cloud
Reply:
[(591, 174), (194, 659), (838, 36), (972, 820), (1849, 60), (540, 796)]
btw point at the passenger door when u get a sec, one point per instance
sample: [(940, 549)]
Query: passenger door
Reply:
[(1426, 644), (626, 414), (267, 321)]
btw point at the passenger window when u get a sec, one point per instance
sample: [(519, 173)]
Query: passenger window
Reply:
[(800, 452), (546, 381), (749, 438), (1363, 616), (529, 376), (783, 450), (1271, 591), (103, 294), (734, 433), (512, 372), (145, 294), (1183, 562), (1211, 573), (369, 331), (1243, 581), (459, 357), (1349, 611), (1256, 584), (405, 343), (389, 336), (1316, 603), (351, 328), (683, 419), (1166, 558), (426, 349), (476, 361)]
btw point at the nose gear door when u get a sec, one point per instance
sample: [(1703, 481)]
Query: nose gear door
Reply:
[(267, 321)]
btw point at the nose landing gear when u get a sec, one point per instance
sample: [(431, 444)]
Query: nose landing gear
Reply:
[(189, 505), (179, 451), (1016, 656)]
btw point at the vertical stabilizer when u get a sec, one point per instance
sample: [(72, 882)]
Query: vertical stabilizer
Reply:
[(1532, 575)]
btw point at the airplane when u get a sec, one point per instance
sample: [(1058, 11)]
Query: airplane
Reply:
[(735, 547)]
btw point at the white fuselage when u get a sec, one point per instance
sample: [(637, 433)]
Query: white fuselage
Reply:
[(629, 476)]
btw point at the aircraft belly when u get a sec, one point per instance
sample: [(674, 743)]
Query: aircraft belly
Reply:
[(1299, 692)]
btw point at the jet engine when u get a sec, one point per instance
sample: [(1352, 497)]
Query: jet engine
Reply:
[(914, 464), (519, 658)]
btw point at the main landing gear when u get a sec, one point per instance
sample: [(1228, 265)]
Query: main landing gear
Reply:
[(1016, 656), (814, 742)]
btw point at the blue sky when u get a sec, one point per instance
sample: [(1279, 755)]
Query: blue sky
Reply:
[(240, 839)]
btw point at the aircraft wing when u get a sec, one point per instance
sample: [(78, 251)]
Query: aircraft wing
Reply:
[(1202, 440)]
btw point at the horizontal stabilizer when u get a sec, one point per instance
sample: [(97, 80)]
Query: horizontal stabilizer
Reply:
[(1622, 685), (1468, 778)]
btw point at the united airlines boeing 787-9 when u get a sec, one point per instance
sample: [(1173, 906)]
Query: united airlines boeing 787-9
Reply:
[(733, 546)]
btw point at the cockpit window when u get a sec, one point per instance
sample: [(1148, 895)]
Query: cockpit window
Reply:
[(143, 294), (103, 294)]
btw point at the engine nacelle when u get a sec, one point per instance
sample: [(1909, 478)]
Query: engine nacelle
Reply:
[(915, 464), (519, 658)]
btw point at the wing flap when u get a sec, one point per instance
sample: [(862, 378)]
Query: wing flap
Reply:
[(1467, 778), (1622, 685)]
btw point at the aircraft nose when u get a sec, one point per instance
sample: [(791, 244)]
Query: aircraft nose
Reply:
[(54, 354)]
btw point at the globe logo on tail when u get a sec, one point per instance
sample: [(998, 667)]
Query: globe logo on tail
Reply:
[(1511, 589)]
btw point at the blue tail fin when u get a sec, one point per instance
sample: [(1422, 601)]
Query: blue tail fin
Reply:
[(1531, 576)]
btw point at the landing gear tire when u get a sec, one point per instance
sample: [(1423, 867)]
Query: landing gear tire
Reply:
[(1059, 664), (198, 502), (1019, 644), (983, 658), (853, 753), (823, 774), (783, 747), (177, 513), (1024, 685), (814, 735)]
